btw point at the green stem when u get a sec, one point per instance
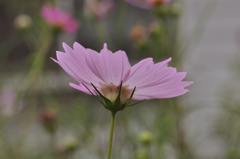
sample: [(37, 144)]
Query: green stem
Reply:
[(53, 145), (198, 29), (36, 68), (111, 135), (102, 33)]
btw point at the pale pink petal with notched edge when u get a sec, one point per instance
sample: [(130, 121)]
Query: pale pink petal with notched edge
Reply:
[(108, 66), (145, 71), (82, 88), (76, 63)]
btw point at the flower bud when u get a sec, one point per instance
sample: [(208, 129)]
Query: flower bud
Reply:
[(141, 154), (48, 117), (142, 45), (98, 10), (22, 22), (145, 137), (175, 9), (69, 145), (137, 33), (155, 30), (161, 10)]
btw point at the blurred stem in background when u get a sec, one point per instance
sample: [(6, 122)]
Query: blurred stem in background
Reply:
[(169, 18), (102, 32), (97, 11), (181, 144), (170, 129), (121, 12), (195, 36), (12, 41), (143, 150), (36, 66), (229, 124), (48, 118), (162, 39)]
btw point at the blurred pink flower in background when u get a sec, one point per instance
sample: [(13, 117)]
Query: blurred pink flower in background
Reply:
[(147, 4), (106, 71), (59, 19), (98, 9), (7, 98)]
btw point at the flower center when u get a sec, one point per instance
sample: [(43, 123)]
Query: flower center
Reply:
[(111, 92)]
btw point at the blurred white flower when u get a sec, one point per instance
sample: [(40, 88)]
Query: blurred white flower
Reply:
[(22, 21)]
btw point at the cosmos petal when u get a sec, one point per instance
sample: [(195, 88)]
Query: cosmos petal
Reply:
[(82, 88), (145, 72)]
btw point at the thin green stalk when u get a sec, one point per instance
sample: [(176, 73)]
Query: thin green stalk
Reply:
[(111, 135), (199, 27), (53, 145), (102, 32), (119, 21), (35, 70)]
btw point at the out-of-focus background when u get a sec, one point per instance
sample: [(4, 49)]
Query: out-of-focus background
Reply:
[(42, 117)]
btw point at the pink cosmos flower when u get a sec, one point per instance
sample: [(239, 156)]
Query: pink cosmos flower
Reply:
[(111, 76), (147, 4), (59, 19)]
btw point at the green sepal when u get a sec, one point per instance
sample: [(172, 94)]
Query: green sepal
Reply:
[(130, 98), (107, 101), (135, 103), (92, 93), (118, 101), (110, 105)]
